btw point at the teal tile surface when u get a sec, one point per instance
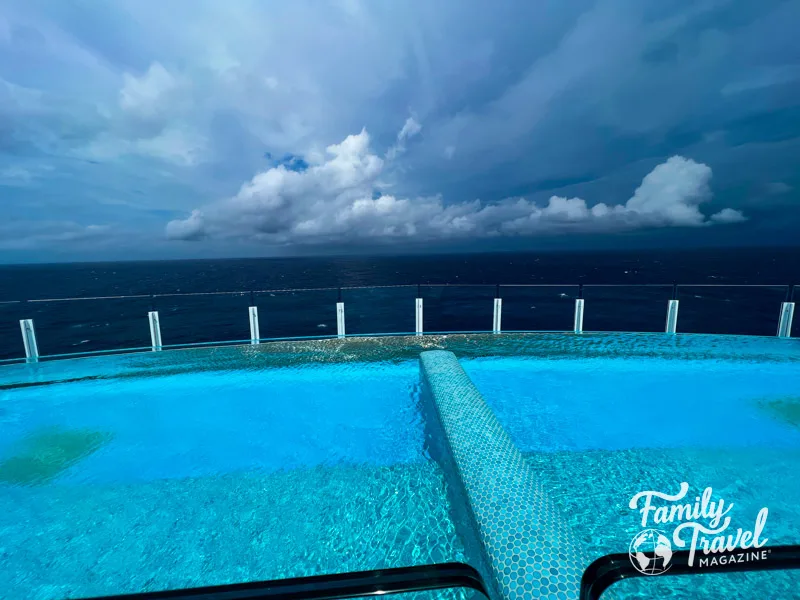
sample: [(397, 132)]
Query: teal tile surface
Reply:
[(531, 550)]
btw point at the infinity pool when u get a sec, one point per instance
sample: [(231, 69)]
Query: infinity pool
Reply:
[(599, 430), (185, 468), (169, 481)]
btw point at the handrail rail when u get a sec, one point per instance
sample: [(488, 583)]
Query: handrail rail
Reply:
[(788, 287), (359, 584), (608, 570)]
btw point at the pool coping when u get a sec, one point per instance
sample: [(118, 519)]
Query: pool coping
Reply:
[(552, 346)]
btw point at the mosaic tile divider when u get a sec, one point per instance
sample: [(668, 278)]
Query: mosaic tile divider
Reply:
[(531, 550)]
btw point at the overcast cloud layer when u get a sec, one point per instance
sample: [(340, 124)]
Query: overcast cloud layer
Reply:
[(166, 129)]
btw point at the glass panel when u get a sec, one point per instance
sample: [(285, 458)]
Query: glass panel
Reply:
[(626, 308), (197, 319), (458, 308), (538, 308), (89, 325), (739, 310), (297, 313), (380, 310), (10, 335)]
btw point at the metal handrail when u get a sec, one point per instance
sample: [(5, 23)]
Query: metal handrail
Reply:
[(227, 293), (608, 570), (360, 584), (788, 287)]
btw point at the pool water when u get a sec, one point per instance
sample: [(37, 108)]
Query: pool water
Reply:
[(600, 430), (620, 403), (186, 468), (155, 482)]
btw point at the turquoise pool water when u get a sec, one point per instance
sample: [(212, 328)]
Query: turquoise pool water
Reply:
[(185, 468), (599, 430), (149, 482), (619, 403)]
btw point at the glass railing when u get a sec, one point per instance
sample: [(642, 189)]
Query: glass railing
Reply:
[(54, 327), (447, 577), (613, 568)]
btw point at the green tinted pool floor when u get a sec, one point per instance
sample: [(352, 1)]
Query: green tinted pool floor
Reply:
[(64, 541), (783, 409), (45, 454)]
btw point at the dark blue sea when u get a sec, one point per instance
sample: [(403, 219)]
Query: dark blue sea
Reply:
[(538, 291)]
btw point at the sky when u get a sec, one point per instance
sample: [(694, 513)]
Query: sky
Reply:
[(141, 129)]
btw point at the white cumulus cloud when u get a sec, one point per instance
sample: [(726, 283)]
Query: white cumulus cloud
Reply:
[(728, 215), (192, 228), (340, 199)]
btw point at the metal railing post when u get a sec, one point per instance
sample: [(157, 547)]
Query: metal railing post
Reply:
[(340, 316), (579, 310), (255, 334), (155, 330), (497, 316), (418, 328), (29, 340), (672, 312), (672, 316), (785, 323)]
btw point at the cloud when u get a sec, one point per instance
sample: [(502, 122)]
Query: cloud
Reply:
[(192, 228), (173, 145), (728, 215), (670, 193), (146, 95), (153, 119), (765, 77), (18, 175), (37, 234), (777, 188), (498, 101), (15, 174), (341, 200), (410, 128)]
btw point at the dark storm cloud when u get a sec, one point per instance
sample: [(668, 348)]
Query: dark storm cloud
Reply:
[(479, 119)]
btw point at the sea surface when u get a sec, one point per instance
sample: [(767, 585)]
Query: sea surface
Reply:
[(205, 301)]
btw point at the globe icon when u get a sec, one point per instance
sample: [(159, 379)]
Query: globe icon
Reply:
[(650, 552)]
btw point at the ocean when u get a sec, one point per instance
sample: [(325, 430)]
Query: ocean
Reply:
[(538, 291)]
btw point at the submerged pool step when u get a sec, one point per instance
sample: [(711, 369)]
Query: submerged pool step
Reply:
[(531, 550)]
